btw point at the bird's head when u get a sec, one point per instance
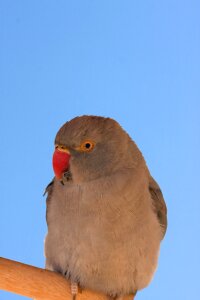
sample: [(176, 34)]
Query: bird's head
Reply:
[(90, 147)]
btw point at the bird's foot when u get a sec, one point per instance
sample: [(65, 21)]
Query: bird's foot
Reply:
[(123, 297), (127, 297), (74, 289)]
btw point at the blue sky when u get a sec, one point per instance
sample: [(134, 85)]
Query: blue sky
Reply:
[(135, 61)]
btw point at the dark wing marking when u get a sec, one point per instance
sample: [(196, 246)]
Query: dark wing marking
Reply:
[(49, 191), (159, 204), (48, 188)]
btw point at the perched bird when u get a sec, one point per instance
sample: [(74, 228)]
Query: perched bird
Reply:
[(106, 215)]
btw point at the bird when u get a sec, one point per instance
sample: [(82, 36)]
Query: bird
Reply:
[(106, 215)]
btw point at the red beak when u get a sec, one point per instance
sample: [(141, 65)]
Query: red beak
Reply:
[(60, 162)]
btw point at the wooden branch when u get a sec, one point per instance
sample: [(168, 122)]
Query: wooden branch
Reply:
[(38, 283)]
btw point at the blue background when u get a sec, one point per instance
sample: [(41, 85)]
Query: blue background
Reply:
[(135, 61)]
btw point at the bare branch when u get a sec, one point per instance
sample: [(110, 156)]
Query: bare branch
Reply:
[(38, 283)]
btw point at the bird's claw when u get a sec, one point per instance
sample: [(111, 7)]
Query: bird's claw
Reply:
[(74, 290), (123, 297)]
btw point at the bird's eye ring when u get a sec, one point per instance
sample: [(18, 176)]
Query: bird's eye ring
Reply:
[(87, 146)]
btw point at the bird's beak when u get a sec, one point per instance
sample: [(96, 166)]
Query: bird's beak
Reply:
[(61, 159)]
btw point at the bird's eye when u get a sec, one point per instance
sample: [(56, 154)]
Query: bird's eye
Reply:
[(87, 146)]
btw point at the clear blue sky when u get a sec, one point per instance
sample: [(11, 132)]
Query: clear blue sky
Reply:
[(135, 61)]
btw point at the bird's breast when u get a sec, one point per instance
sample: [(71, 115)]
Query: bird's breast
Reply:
[(96, 233)]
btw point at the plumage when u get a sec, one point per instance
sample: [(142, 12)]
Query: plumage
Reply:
[(107, 219)]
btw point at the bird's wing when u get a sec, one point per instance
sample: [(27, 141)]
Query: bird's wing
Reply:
[(159, 204), (48, 190)]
